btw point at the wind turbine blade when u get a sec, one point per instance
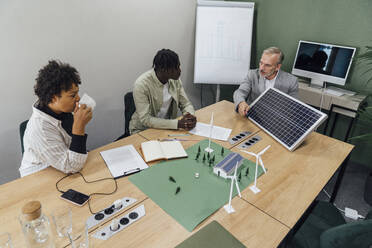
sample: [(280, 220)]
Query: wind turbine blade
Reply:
[(236, 181), (211, 123), (210, 130), (262, 164), (236, 168), (237, 188), (264, 150), (250, 153)]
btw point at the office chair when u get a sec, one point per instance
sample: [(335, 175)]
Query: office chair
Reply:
[(325, 227), (129, 109), (22, 129)]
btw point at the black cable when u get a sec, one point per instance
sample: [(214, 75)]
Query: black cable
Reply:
[(61, 180), (99, 193)]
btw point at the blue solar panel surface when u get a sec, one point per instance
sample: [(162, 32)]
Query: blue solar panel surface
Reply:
[(225, 159), (233, 157), (283, 117), (237, 158)]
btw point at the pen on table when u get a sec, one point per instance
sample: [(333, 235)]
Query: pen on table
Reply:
[(175, 135), (175, 139)]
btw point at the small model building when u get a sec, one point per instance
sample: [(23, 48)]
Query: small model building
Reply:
[(226, 167)]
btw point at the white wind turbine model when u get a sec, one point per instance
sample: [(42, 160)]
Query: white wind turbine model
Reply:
[(209, 149), (229, 209), (258, 160)]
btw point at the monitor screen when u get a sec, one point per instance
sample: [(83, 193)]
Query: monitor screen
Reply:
[(323, 62)]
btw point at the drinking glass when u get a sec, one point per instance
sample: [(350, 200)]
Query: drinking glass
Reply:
[(5, 240), (81, 237), (62, 219)]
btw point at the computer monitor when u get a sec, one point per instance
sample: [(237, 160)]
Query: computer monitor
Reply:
[(323, 62)]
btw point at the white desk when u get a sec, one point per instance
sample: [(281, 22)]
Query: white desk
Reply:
[(345, 104), (313, 96)]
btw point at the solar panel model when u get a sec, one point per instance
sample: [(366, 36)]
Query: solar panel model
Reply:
[(285, 118)]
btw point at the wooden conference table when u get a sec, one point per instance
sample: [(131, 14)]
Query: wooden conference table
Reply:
[(291, 184)]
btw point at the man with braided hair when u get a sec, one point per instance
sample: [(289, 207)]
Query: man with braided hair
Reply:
[(158, 94)]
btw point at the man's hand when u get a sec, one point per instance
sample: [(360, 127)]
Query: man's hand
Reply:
[(82, 115), (243, 108), (187, 122)]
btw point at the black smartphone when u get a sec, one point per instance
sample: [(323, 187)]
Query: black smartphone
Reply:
[(75, 197)]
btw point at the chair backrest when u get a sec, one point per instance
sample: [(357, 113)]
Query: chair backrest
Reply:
[(129, 109), (325, 227), (354, 234), (22, 129)]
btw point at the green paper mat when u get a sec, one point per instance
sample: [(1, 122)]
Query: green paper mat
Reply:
[(212, 235), (198, 197)]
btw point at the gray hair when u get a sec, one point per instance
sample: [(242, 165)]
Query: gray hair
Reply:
[(275, 50)]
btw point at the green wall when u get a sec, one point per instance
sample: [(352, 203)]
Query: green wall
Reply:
[(283, 23), (344, 22)]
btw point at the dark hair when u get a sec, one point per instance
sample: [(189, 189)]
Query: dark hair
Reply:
[(165, 59), (52, 79)]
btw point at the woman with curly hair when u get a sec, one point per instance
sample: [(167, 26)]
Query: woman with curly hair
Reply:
[(54, 136)]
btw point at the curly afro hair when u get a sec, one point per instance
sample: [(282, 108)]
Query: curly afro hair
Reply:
[(54, 78), (165, 59)]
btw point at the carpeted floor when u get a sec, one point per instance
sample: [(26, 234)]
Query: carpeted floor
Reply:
[(351, 192)]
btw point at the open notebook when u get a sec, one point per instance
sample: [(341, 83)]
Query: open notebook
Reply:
[(155, 150)]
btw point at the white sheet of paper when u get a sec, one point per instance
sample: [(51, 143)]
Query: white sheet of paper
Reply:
[(85, 99), (333, 92), (219, 133), (124, 159)]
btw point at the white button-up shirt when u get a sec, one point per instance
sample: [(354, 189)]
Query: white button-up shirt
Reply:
[(167, 99), (46, 144), (270, 83)]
